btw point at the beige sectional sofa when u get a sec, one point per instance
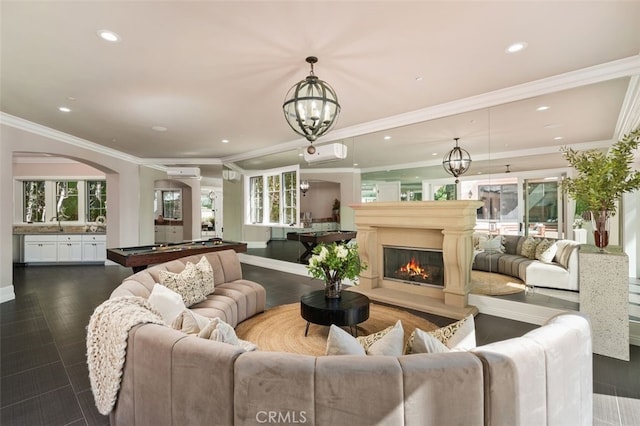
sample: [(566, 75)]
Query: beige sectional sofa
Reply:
[(560, 271), (170, 378)]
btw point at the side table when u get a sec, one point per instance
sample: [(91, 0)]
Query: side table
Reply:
[(349, 310)]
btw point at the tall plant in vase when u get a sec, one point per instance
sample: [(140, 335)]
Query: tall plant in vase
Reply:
[(601, 179)]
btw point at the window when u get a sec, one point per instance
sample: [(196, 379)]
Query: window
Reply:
[(273, 197), (172, 204), (256, 199), (290, 199), (445, 192), (96, 200), (66, 201), (273, 183), (500, 202), (34, 201)]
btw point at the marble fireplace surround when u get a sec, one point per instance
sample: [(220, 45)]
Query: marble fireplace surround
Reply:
[(443, 225)]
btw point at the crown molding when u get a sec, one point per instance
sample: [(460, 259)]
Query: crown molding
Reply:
[(38, 129)]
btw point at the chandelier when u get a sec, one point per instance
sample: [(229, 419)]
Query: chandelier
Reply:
[(457, 161), (304, 187), (311, 107)]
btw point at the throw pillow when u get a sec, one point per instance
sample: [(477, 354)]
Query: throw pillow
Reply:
[(189, 322), (422, 342), (339, 342), (492, 245), (478, 238), (167, 302), (459, 336), (219, 331), (529, 247), (546, 251), (194, 283), (388, 344)]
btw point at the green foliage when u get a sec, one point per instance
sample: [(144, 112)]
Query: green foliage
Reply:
[(603, 177), (335, 261)]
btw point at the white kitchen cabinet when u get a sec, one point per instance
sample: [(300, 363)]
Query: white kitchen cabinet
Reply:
[(168, 234), (40, 248), (69, 248), (94, 248)]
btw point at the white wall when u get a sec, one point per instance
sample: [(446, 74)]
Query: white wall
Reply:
[(123, 187)]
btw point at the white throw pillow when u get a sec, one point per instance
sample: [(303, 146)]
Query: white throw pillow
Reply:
[(546, 254), (386, 342), (194, 283), (422, 342), (389, 344), (219, 331), (492, 245), (339, 342), (460, 335), (167, 302)]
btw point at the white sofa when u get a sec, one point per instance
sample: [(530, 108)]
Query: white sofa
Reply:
[(560, 271)]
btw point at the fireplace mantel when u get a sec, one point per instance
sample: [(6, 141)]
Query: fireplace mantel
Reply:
[(445, 225)]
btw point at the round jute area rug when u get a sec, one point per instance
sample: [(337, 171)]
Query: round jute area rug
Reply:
[(281, 329), (491, 284)]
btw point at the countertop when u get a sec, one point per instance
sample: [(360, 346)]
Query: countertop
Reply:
[(54, 229)]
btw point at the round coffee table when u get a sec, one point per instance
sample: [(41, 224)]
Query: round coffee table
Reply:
[(349, 310)]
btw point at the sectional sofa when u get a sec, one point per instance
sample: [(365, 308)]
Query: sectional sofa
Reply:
[(538, 262), (171, 378)]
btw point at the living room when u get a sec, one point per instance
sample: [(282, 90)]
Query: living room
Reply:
[(407, 89)]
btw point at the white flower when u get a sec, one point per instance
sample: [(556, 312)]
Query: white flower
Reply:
[(341, 252), (323, 254)]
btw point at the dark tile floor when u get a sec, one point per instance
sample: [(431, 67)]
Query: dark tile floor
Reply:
[(43, 373)]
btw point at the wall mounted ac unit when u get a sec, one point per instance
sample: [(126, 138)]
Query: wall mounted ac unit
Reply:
[(326, 153), (183, 172)]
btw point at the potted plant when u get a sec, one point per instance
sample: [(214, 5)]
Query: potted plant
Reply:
[(334, 262), (601, 180)]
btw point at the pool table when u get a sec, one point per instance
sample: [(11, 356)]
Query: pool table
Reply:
[(311, 239), (140, 257)]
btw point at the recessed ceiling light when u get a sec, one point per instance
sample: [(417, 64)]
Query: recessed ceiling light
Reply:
[(355, 164), (64, 109), (418, 78), (386, 138), (71, 98), (516, 47), (557, 138), (159, 128), (225, 141), (434, 153), (542, 108), (300, 154), (108, 36), (552, 125)]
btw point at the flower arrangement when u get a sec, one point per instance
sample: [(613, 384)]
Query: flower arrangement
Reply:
[(578, 223), (334, 262)]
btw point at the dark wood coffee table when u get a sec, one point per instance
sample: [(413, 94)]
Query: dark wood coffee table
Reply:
[(349, 310)]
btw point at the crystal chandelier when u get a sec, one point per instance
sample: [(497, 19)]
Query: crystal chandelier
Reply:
[(311, 107), (457, 161)]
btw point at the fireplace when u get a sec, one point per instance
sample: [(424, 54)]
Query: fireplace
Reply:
[(424, 229), (415, 266)]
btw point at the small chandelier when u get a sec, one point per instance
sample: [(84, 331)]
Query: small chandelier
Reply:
[(304, 187), (457, 161), (311, 106)]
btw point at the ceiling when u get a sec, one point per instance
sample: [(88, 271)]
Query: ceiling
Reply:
[(419, 72)]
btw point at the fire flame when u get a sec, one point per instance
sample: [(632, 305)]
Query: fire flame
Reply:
[(413, 268)]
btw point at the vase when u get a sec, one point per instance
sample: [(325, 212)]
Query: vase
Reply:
[(600, 221), (332, 289)]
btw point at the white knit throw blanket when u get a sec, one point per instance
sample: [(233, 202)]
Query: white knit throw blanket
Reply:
[(107, 335)]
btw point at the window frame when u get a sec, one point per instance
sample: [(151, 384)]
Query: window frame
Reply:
[(258, 207)]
